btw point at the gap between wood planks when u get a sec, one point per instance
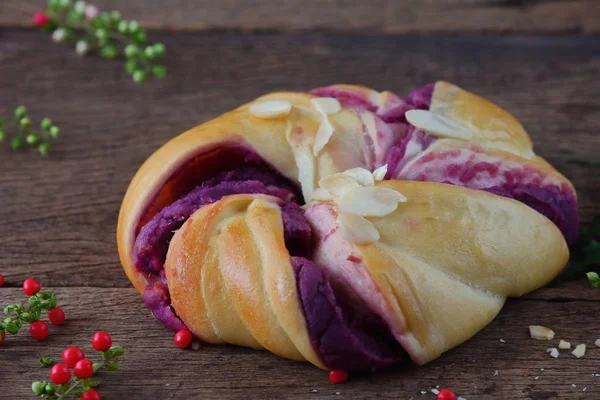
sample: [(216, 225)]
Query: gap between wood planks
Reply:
[(381, 16)]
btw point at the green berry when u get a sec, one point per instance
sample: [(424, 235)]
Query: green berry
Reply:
[(109, 51), (159, 71), (37, 388), (2, 135), (131, 50), (133, 26), (16, 143), (25, 122), (53, 4), (123, 27), (74, 16), (101, 42), (32, 138), (140, 36), (64, 3), (115, 17), (149, 52), (53, 131), (46, 123), (159, 49), (101, 33), (139, 76), (20, 112), (49, 390), (131, 66), (43, 148)]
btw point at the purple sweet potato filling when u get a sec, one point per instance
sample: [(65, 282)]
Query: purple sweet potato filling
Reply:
[(346, 335), (560, 206)]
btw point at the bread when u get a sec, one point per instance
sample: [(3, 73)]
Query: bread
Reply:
[(367, 273)]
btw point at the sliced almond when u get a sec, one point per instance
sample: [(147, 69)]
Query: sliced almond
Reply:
[(380, 173), (338, 184), (538, 332), (563, 345), (321, 194), (553, 352), (271, 108), (357, 229), (597, 342), (323, 135), (370, 201), (579, 351), (361, 175), (438, 125), (326, 105)]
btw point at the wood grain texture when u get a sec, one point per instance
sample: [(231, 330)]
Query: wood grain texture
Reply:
[(402, 16), (153, 367), (59, 214)]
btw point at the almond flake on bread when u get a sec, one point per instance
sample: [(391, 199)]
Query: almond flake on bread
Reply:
[(380, 173), (357, 229), (271, 108), (438, 125)]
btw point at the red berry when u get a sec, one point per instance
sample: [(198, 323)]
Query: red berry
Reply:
[(90, 395), (2, 337), (40, 19), (60, 374), (338, 376), (1, 279), (31, 286), (83, 369), (71, 355), (39, 330), (446, 394), (101, 341), (183, 339), (56, 316)]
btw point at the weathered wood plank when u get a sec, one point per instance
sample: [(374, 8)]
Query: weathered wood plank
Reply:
[(506, 16), (59, 213), (154, 368)]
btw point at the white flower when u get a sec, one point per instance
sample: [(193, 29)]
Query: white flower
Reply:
[(59, 35), (91, 12), (82, 47)]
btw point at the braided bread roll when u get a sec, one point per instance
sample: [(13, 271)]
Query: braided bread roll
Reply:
[(368, 273)]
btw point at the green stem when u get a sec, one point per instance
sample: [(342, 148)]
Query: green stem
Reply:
[(90, 30), (63, 395)]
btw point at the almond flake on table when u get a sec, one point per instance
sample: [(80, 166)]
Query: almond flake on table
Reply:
[(435, 391), (461, 398), (496, 373), (553, 352), (539, 332), (579, 351), (502, 341), (597, 342), (564, 345)]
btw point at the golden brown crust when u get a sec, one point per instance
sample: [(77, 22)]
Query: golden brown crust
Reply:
[(231, 280), (447, 259), (444, 265)]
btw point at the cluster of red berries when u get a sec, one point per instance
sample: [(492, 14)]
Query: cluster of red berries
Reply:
[(74, 358), (38, 329)]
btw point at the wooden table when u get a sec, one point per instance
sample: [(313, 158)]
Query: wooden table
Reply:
[(539, 59)]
